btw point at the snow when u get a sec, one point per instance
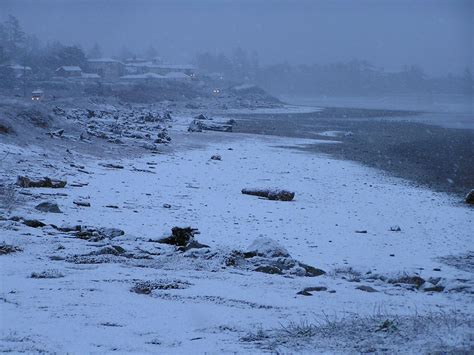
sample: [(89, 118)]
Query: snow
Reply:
[(91, 308), (176, 75), (244, 87), (69, 68), (90, 76), (142, 76), (103, 60), (19, 67)]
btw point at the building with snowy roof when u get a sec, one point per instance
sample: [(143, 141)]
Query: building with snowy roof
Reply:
[(69, 71), (106, 68)]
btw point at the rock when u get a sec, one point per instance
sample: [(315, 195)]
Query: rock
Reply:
[(395, 228), (26, 182), (4, 129), (266, 247), (47, 274), (410, 280), (82, 203), (216, 157), (166, 205), (8, 249), (111, 166), (109, 250), (312, 271), (201, 117), (307, 291), (146, 287), (195, 126), (366, 288), (279, 195), (91, 233), (33, 223), (266, 255), (361, 231), (269, 269), (470, 197), (163, 137), (434, 289), (50, 207), (57, 133)]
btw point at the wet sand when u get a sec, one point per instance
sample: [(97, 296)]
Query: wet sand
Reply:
[(435, 157)]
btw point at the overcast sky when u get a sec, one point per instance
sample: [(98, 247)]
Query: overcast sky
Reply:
[(436, 34)]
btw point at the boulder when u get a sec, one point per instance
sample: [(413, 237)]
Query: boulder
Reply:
[(470, 198), (33, 223), (267, 256), (195, 126), (47, 206), (266, 247), (366, 288)]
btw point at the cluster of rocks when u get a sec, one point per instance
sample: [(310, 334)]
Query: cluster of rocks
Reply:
[(146, 126), (267, 256), (8, 249)]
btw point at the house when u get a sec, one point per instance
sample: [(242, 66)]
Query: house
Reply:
[(20, 70), (155, 66), (67, 71), (107, 68)]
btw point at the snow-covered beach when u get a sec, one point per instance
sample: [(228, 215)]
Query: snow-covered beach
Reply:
[(397, 257)]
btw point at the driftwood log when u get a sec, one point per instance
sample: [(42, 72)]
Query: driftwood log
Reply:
[(24, 181), (183, 239), (278, 195), (199, 126)]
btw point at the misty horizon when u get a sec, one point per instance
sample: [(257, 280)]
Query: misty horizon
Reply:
[(435, 35)]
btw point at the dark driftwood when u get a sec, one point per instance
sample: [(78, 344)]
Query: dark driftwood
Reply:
[(279, 195), (183, 238), (24, 181)]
